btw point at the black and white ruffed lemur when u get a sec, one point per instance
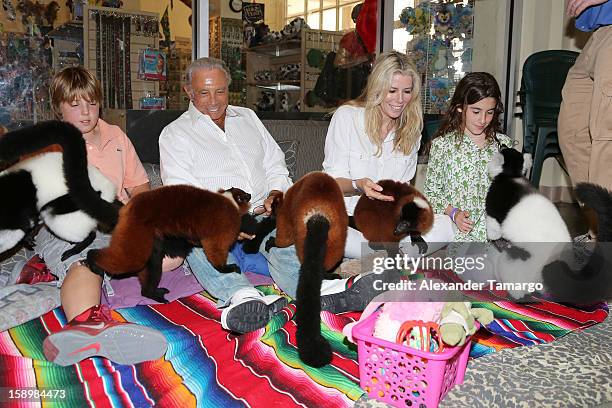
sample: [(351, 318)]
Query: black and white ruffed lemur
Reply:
[(71, 197), (537, 246)]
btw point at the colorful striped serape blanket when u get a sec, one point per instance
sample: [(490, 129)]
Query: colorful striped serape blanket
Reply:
[(531, 322), (206, 366)]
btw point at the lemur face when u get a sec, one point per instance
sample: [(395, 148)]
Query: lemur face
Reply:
[(513, 162), (240, 196), (507, 161), (496, 165), (410, 216)]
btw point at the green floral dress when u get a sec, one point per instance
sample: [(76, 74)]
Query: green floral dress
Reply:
[(457, 175)]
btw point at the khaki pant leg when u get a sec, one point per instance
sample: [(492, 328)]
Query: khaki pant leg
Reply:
[(600, 166), (573, 123)]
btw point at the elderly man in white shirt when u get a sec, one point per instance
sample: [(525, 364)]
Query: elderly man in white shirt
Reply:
[(214, 145)]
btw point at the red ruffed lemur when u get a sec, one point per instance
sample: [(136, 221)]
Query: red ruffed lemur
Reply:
[(312, 216), (170, 220), (385, 223)]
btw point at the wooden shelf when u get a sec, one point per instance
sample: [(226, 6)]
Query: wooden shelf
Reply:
[(273, 56), (271, 83), (278, 49)]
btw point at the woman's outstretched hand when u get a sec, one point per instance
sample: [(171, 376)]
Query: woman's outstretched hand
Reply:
[(372, 190)]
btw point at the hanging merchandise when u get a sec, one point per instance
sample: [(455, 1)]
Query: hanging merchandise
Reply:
[(439, 92), (25, 72), (143, 24), (417, 20), (112, 45), (440, 46), (254, 28), (417, 50), (165, 23), (336, 85), (464, 20), (366, 25), (152, 65), (126, 76), (466, 56), (442, 60), (315, 58), (153, 103), (9, 9), (443, 19)]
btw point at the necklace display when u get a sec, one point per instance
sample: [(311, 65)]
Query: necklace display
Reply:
[(113, 33)]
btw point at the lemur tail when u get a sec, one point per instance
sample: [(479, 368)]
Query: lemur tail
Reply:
[(593, 282), (33, 138), (313, 349)]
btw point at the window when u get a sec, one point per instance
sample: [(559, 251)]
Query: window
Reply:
[(332, 15)]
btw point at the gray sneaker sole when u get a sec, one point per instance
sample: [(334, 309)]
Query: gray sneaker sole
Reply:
[(253, 315), (357, 297), (124, 344)]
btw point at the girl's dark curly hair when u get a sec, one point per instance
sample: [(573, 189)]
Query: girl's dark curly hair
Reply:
[(473, 87)]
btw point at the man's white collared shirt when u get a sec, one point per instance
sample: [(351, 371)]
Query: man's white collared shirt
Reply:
[(194, 150)]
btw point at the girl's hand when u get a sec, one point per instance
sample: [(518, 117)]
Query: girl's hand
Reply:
[(463, 222), (372, 190)]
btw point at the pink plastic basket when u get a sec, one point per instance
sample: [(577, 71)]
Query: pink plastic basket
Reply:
[(405, 377)]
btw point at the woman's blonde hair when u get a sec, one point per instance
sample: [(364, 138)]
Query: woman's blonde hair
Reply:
[(72, 83), (410, 123)]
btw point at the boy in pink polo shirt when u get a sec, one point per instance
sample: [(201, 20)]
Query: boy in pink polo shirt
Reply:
[(75, 97)]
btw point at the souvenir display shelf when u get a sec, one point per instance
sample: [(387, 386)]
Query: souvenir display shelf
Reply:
[(286, 93), (121, 92), (178, 61), (25, 72), (225, 42)]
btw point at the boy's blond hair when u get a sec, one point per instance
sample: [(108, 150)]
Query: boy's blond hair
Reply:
[(73, 83)]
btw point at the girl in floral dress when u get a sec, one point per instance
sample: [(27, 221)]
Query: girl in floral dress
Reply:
[(457, 180)]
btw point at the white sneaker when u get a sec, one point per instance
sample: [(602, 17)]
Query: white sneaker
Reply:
[(250, 310)]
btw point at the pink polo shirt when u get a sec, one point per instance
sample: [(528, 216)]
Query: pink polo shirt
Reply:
[(116, 158)]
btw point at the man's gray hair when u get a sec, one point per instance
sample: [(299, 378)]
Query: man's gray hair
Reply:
[(206, 64)]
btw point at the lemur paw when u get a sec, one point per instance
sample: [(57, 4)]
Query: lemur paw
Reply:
[(270, 243), (229, 268), (157, 294), (90, 262)]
